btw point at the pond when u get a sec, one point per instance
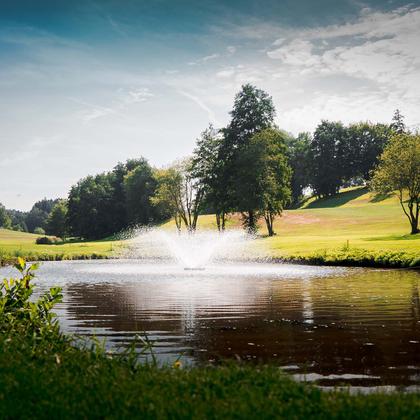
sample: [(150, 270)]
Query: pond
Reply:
[(331, 325)]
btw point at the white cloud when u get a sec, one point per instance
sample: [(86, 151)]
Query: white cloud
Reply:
[(197, 100)]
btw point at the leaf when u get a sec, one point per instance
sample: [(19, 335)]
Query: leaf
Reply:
[(21, 264)]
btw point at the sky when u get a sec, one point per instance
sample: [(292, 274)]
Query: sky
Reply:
[(85, 84)]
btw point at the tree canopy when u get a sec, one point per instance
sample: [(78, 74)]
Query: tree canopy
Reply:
[(399, 173)]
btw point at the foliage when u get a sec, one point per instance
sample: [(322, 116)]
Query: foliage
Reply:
[(326, 154), (47, 240), (299, 160), (253, 111), (102, 205), (366, 143), (399, 172), (89, 207), (57, 220), (398, 124), (263, 178), (139, 186), (39, 231), (208, 167), (38, 215), (19, 314), (181, 193), (5, 221)]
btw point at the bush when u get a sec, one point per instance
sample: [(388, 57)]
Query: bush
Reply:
[(47, 240), (39, 231), (18, 314)]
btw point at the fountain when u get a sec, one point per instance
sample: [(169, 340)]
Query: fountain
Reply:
[(191, 251)]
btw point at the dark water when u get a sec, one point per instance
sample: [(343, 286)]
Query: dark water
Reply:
[(358, 327)]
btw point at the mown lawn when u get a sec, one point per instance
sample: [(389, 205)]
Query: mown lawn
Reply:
[(354, 222)]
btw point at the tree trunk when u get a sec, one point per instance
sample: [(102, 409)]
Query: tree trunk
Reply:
[(223, 221), (269, 221), (251, 222), (218, 221), (413, 216)]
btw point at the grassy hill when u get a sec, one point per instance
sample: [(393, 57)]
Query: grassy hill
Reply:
[(354, 223)]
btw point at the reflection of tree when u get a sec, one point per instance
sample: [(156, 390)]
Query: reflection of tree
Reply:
[(359, 325)]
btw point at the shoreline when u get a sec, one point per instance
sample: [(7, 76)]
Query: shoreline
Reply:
[(337, 258)]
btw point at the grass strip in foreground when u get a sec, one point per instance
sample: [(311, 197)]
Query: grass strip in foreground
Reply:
[(60, 381)]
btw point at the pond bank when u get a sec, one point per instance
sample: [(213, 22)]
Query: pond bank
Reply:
[(341, 257)]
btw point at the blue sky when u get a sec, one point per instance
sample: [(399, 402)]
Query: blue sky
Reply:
[(85, 84)]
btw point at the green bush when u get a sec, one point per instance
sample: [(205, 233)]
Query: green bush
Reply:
[(47, 240), (19, 313)]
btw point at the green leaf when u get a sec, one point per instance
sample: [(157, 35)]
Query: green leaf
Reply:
[(21, 264)]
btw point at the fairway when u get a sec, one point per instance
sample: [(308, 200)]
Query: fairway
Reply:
[(353, 220)]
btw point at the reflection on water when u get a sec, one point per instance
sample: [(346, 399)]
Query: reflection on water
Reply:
[(329, 325)]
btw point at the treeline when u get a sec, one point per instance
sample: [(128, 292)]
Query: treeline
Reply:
[(37, 220), (250, 167)]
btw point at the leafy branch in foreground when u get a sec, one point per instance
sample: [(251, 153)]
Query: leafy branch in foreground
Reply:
[(19, 313)]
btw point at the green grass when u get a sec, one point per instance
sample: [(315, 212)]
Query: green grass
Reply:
[(353, 228), (60, 381), (19, 244)]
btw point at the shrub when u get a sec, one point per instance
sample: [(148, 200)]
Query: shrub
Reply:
[(47, 240), (39, 231), (19, 314)]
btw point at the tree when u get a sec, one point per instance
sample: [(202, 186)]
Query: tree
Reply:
[(182, 193), (37, 216), (140, 185), (263, 178), (253, 111), (208, 167), (121, 219), (398, 125), (5, 221), (57, 220), (298, 149), (90, 207), (399, 172), (168, 193), (366, 142), (326, 153)]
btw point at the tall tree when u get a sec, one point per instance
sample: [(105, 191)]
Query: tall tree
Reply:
[(121, 219), (253, 111), (57, 220), (90, 207), (399, 172), (263, 178), (398, 124), (298, 149), (327, 164), (140, 185), (366, 142), (208, 168)]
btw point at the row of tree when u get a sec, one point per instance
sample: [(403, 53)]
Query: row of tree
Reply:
[(250, 167), (37, 220)]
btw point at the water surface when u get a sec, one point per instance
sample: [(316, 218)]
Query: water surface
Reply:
[(334, 326)]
